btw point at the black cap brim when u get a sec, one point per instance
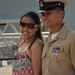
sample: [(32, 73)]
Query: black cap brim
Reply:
[(47, 6)]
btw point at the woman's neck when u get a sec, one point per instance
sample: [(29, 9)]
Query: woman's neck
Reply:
[(29, 40)]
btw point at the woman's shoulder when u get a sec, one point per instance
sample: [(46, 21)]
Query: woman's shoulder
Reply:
[(37, 43)]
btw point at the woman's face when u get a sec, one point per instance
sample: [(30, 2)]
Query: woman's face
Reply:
[(28, 27)]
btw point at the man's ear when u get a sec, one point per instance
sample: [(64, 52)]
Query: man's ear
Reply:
[(62, 13)]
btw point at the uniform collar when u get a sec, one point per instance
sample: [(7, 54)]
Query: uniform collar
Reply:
[(62, 33)]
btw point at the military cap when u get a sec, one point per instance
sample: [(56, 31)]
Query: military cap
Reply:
[(46, 5)]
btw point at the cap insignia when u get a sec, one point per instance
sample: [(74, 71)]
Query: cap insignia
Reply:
[(59, 4), (41, 4)]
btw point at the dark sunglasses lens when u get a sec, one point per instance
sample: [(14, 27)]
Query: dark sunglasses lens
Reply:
[(22, 24), (29, 25)]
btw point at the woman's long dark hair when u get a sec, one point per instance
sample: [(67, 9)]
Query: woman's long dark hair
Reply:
[(36, 19)]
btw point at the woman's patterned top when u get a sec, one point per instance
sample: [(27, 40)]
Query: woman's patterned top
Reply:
[(22, 64)]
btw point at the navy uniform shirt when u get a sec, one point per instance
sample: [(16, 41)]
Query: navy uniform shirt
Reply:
[(58, 57)]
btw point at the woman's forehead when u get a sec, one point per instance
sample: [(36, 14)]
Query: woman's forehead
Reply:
[(27, 19)]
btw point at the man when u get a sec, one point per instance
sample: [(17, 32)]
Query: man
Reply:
[(58, 57)]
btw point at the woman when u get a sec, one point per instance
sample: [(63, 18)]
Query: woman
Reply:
[(28, 59)]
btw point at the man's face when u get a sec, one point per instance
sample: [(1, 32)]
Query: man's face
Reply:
[(52, 18)]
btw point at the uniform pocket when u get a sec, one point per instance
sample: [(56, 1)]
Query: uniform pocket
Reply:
[(56, 52), (58, 56)]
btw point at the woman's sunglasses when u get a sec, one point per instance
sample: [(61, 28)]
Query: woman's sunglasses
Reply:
[(28, 25)]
